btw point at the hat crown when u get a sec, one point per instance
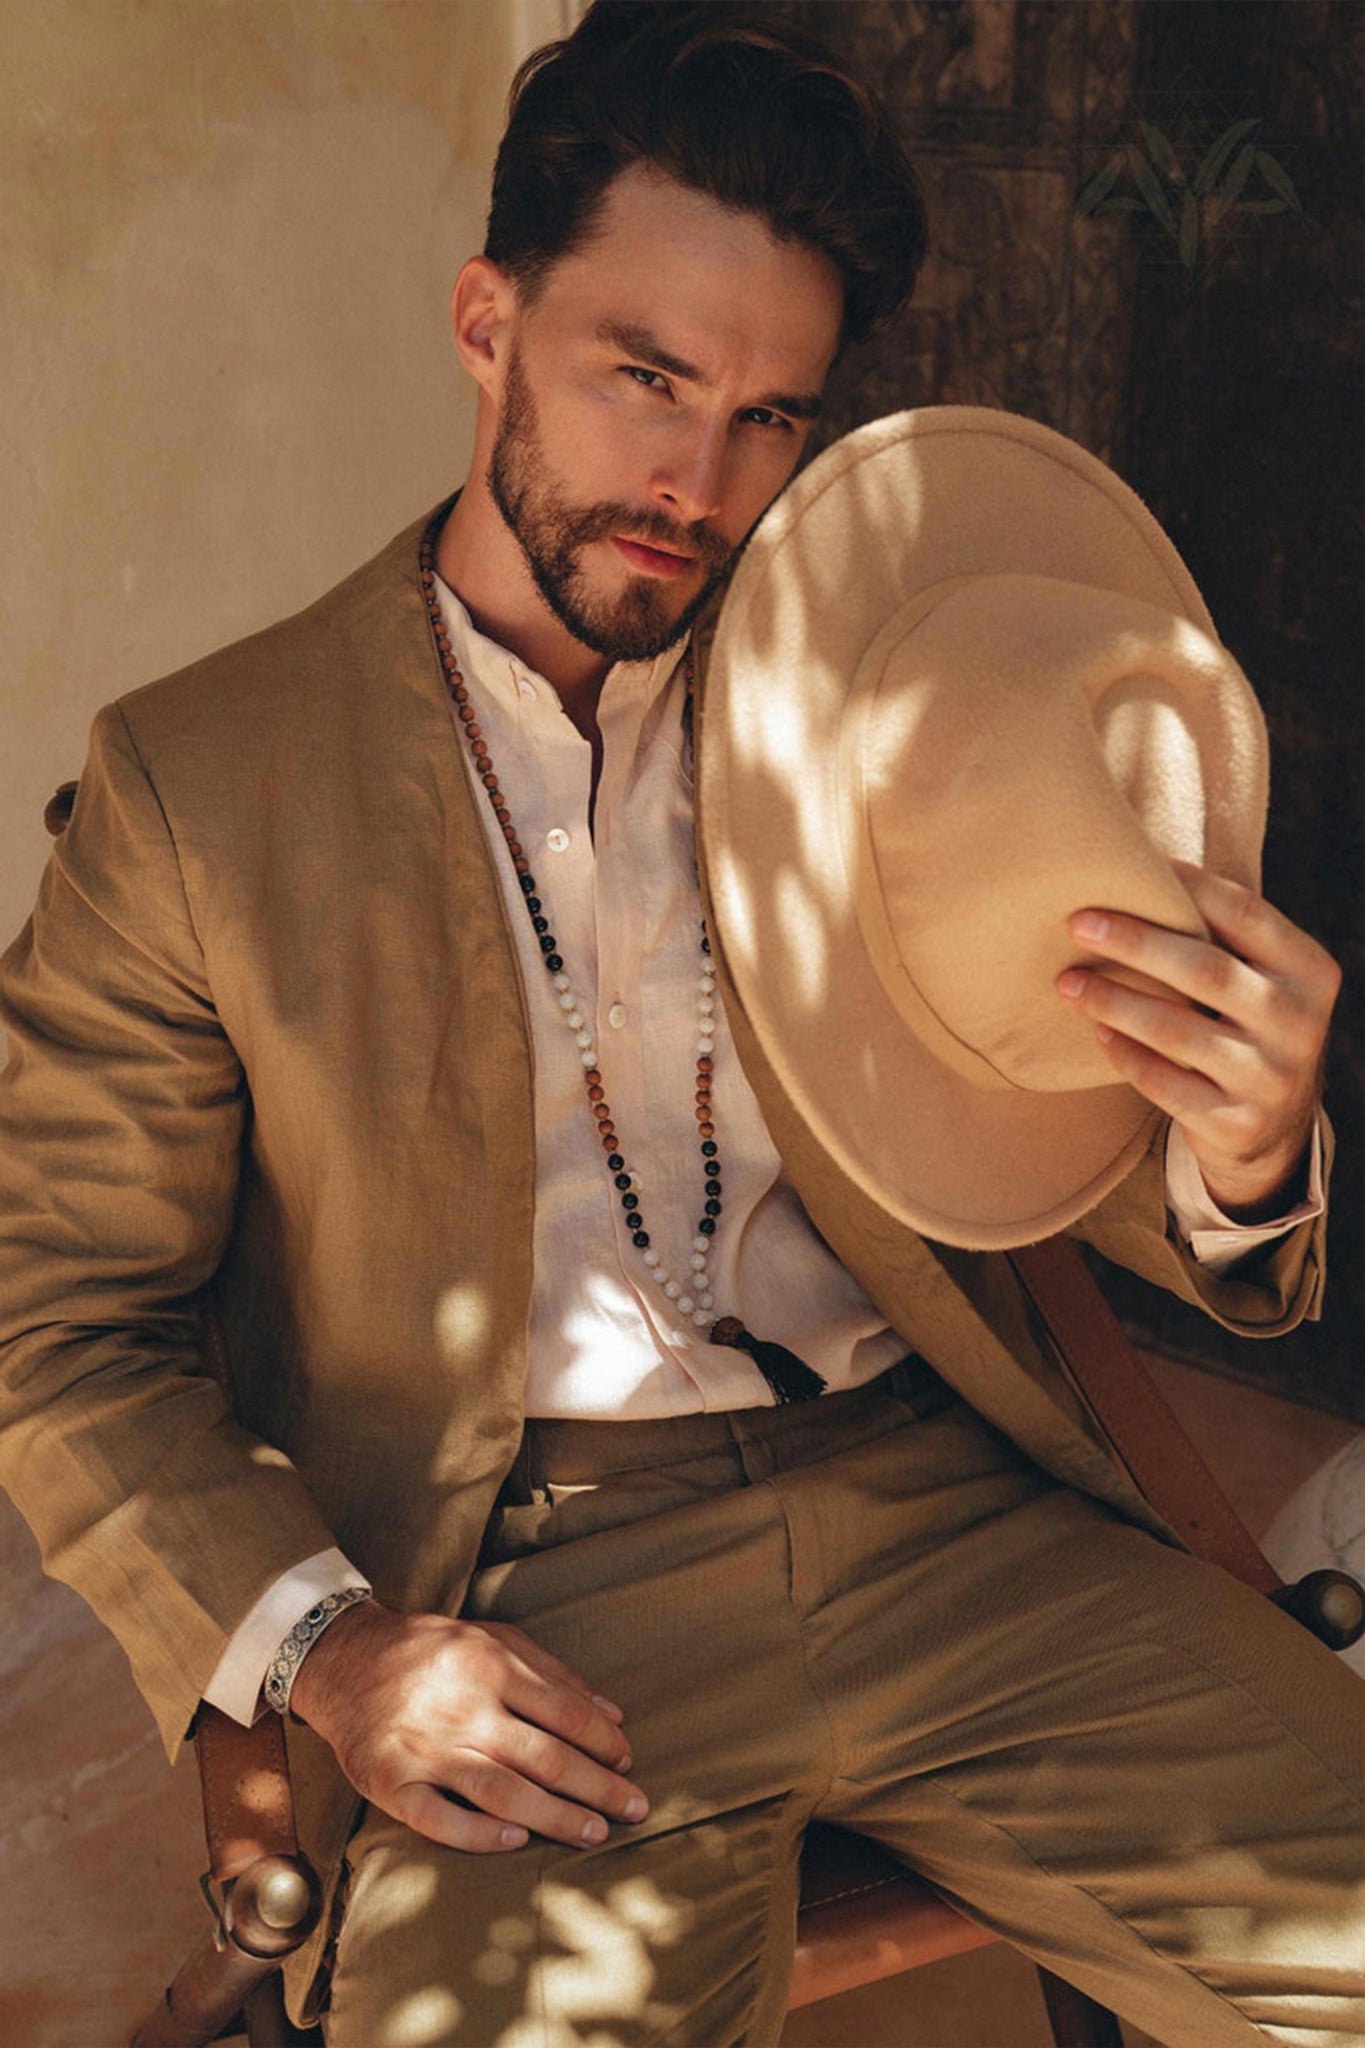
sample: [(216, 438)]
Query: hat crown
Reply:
[(1013, 749)]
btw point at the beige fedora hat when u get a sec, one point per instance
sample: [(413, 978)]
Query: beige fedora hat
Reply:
[(961, 687)]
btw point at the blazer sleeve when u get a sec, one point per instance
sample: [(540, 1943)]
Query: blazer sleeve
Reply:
[(1266, 1295), (122, 1111)]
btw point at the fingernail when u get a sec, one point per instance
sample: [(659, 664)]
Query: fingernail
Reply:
[(637, 1809), (625, 1765), (608, 1707), (594, 1830), (1070, 984), (1091, 924), (514, 1838)]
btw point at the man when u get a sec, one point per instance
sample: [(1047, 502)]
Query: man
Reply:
[(271, 1040)]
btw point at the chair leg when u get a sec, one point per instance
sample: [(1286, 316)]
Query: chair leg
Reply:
[(1076, 2020)]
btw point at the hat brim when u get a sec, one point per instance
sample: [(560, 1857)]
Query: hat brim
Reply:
[(898, 506)]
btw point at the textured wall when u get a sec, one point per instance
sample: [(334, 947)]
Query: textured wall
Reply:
[(227, 234)]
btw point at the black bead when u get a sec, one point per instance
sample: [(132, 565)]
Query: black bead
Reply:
[(709, 1148), (629, 1202), (641, 1238), (534, 904), (713, 1207), (554, 961), (635, 1221), (547, 944), (540, 924), (713, 1187), (707, 1226), (623, 1180), (705, 945), (615, 1161), (528, 884)]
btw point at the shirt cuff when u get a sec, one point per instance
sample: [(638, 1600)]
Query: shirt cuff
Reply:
[(235, 1686), (1215, 1240)]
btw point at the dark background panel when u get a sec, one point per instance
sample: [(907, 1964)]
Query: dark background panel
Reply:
[(1220, 373)]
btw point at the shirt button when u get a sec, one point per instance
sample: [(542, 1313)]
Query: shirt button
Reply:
[(557, 839), (616, 1016)]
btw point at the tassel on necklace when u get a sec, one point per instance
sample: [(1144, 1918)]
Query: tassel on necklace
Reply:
[(790, 1378)]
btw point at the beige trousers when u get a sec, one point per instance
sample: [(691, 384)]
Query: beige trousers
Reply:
[(873, 1609)]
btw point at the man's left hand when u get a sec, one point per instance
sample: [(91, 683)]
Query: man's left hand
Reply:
[(1232, 1046)]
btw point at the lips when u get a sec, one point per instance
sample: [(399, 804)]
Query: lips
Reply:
[(652, 561)]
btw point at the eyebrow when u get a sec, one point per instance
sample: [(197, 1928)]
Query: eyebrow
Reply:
[(638, 342)]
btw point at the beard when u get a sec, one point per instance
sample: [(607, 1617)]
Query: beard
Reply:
[(633, 624)]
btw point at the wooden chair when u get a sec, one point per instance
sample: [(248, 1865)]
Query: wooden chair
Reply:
[(864, 1917)]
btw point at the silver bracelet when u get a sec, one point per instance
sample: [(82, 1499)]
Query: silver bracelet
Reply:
[(283, 1668)]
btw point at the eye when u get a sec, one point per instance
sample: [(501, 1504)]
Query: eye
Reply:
[(649, 380), (764, 416)]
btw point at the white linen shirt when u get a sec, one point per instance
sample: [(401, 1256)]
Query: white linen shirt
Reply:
[(618, 884), (619, 887)]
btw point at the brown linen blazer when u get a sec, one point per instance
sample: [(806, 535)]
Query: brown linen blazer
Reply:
[(269, 1039)]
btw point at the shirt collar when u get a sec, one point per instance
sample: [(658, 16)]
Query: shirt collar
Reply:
[(501, 672)]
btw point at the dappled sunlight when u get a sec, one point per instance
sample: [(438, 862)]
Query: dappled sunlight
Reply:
[(422, 2019), (806, 922), (409, 1891), (1311, 1924), (508, 1940), (1153, 755), (607, 1972), (462, 1316)]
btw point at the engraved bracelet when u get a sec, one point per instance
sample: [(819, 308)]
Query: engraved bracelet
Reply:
[(283, 1668)]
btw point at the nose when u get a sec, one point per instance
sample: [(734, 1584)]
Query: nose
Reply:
[(691, 485)]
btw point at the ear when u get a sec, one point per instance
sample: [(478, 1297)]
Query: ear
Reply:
[(482, 313)]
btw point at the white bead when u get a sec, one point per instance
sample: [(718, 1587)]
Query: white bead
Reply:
[(698, 1262), (707, 984), (663, 1279), (672, 1289), (705, 1047), (561, 980), (701, 1319), (705, 1005), (701, 1244), (567, 997), (584, 1039), (651, 1258), (589, 1058), (685, 1304), (705, 1300), (575, 1020)]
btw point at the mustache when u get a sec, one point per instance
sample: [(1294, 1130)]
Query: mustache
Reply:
[(652, 529)]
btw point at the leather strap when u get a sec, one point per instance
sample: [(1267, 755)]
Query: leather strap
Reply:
[(244, 1782), (1133, 1413)]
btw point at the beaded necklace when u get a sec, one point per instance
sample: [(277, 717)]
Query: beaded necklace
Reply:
[(790, 1378)]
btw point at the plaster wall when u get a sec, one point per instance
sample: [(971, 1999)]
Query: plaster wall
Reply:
[(228, 230)]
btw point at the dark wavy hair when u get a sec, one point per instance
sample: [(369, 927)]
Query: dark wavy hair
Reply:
[(736, 102)]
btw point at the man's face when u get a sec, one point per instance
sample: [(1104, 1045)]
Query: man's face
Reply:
[(655, 397)]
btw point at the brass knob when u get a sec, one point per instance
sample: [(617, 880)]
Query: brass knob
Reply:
[(284, 1897)]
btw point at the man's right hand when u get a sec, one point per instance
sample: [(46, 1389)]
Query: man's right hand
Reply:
[(467, 1732)]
